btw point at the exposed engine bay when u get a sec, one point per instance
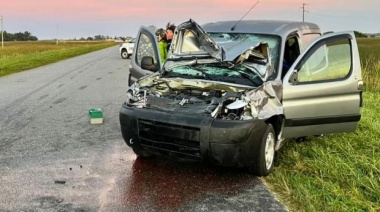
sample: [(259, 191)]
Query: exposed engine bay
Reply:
[(207, 99)]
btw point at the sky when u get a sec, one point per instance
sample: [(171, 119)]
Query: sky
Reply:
[(68, 19)]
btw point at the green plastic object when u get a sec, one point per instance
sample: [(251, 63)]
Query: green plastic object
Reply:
[(96, 115)]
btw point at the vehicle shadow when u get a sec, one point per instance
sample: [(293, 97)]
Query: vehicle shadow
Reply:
[(162, 184)]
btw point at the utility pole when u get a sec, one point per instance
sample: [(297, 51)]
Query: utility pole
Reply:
[(2, 33), (57, 34), (303, 11)]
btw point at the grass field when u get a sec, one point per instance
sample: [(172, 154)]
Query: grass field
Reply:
[(21, 56), (339, 172), (369, 49)]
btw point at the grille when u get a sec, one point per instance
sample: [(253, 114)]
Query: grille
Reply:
[(169, 137)]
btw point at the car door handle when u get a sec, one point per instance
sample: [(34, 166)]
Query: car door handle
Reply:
[(360, 85)]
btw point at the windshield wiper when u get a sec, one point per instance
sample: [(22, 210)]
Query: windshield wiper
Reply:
[(247, 76), (203, 71)]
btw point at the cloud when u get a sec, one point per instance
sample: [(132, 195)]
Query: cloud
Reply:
[(125, 16)]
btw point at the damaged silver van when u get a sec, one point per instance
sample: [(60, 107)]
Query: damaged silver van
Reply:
[(232, 93)]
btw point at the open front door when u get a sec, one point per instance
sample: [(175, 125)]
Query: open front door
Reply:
[(322, 90), (145, 58)]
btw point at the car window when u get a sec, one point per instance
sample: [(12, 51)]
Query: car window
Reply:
[(329, 61), (145, 48)]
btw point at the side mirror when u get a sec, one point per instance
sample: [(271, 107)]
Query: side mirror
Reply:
[(293, 78), (147, 63)]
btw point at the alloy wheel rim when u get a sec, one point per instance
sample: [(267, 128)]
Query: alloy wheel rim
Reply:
[(269, 151)]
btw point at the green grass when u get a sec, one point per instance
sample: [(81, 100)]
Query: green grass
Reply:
[(21, 56)]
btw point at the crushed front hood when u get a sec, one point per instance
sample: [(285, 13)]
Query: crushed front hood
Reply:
[(197, 97)]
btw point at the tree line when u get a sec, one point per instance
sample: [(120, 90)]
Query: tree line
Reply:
[(19, 36), (357, 34)]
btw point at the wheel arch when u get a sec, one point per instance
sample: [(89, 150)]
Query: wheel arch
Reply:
[(276, 121)]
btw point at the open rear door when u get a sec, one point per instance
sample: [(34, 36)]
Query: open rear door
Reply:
[(323, 89)]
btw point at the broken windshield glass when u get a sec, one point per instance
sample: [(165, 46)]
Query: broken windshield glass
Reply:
[(239, 74), (230, 40)]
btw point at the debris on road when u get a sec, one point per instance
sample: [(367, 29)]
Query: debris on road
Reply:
[(96, 115)]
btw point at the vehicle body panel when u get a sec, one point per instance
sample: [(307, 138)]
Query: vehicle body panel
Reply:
[(324, 106), (220, 141), (146, 45)]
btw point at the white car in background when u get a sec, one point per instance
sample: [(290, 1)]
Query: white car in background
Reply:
[(126, 49)]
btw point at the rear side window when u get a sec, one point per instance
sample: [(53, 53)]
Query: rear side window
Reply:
[(330, 60)]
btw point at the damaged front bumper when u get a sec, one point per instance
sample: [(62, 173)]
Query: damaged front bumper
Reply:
[(226, 142)]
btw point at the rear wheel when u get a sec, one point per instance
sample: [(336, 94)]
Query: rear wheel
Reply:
[(263, 153), (124, 54)]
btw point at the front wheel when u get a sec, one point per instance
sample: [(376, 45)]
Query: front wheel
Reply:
[(263, 153), (124, 54), (141, 152)]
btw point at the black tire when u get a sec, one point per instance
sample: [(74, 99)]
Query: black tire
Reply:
[(141, 153), (263, 153), (129, 80), (124, 54)]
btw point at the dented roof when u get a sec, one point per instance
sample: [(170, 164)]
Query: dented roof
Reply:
[(273, 27)]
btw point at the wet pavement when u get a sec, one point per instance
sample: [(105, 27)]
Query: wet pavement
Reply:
[(164, 185), (53, 159)]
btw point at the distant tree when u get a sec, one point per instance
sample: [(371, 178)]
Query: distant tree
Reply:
[(33, 38), (328, 32), (8, 36), (98, 37), (360, 35), (90, 38), (19, 36), (27, 35)]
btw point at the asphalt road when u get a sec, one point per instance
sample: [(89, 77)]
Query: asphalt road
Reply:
[(53, 159)]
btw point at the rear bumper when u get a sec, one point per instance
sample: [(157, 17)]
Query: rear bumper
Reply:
[(223, 142)]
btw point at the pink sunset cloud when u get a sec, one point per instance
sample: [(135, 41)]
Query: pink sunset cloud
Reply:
[(106, 17)]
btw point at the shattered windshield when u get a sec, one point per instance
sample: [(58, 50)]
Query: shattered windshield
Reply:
[(239, 74), (273, 42)]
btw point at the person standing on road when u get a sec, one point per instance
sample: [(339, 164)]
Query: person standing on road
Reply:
[(162, 44), (170, 27)]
